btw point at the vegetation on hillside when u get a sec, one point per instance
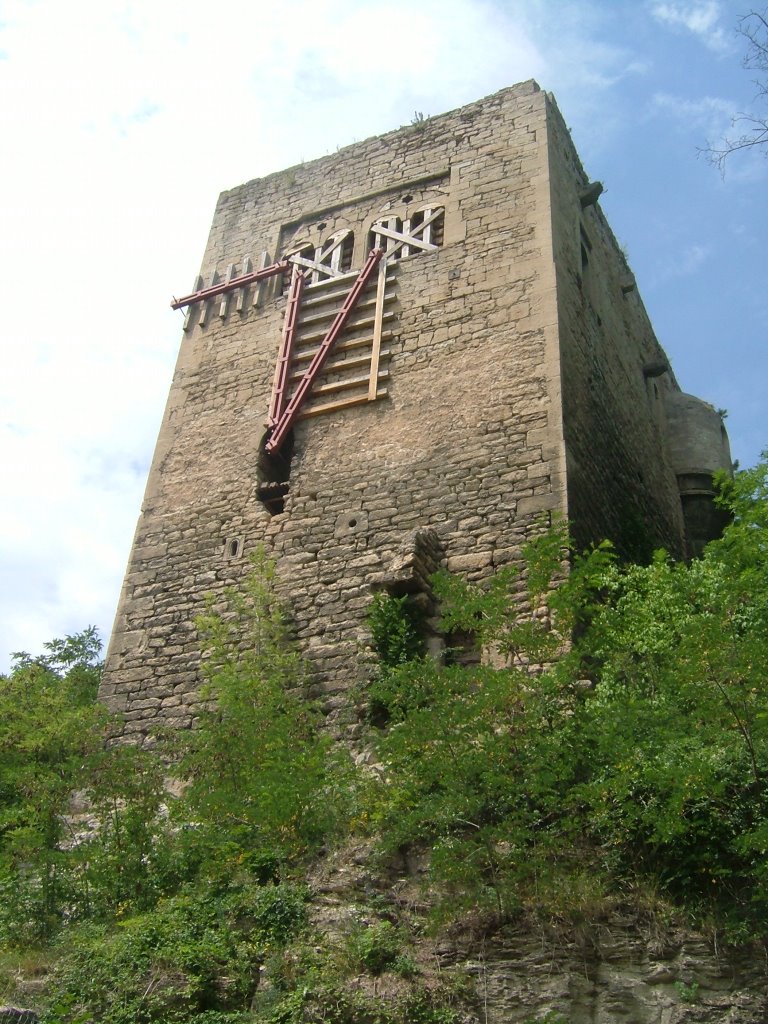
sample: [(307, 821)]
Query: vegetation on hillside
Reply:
[(629, 768)]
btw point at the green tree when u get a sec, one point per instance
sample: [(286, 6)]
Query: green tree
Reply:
[(130, 857), (50, 725), (638, 749), (194, 959), (477, 759), (261, 774), (678, 721)]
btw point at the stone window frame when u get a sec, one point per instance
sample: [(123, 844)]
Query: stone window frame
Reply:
[(336, 251), (359, 212), (400, 220)]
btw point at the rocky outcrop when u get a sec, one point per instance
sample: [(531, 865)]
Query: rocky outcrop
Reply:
[(619, 964), (617, 974)]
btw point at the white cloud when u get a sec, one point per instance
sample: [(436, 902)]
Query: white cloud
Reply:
[(711, 120), (700, 17), (126, 118), (710, 115), (690, 260)]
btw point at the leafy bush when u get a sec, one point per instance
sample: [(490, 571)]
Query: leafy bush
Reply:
[(311, 983), (196, 957), (50, 730), (375, 947), (396, 626), (638, 748), (261, 775)]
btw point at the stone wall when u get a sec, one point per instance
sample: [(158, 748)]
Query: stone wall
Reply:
[(621, 483), (515, 387)]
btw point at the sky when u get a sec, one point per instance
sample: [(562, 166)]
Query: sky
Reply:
[(120, 122)]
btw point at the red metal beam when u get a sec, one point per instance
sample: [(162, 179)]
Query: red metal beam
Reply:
[(228, 286), (291, 411), (282, 369)]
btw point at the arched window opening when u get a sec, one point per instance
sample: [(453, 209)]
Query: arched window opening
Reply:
[(377, 239), (435, 229), (423, 231), (336, 252), (305, 249), (273, 473)]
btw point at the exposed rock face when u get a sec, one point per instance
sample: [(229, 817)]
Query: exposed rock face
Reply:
[(619, 975), (623, 967)]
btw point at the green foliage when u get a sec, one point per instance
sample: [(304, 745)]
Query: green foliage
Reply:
[(639, 749), (56, 864), (396, 625), (333, 1002), (310, 982), (131, 858), (275, 912), (376, 947), (263, 780), (477, 759), (620, 747), (687, 993), (476, 772), (677, 723), (50, 729), (156, 916), (195, 958), (527, 615)]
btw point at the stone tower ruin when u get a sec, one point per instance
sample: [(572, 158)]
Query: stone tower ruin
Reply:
[(401, 356)]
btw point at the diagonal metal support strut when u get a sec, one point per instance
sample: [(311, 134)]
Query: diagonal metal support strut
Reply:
[(228, 286), (292, 409), (282, 370)]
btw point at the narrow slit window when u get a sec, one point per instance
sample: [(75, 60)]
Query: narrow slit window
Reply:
[(586, 249), (232, 548), (584, 260)]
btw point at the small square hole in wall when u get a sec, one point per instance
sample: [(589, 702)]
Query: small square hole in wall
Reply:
[(233, 548)]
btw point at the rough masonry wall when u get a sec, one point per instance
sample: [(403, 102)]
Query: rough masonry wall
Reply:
[(621, 484), (465, 451)]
